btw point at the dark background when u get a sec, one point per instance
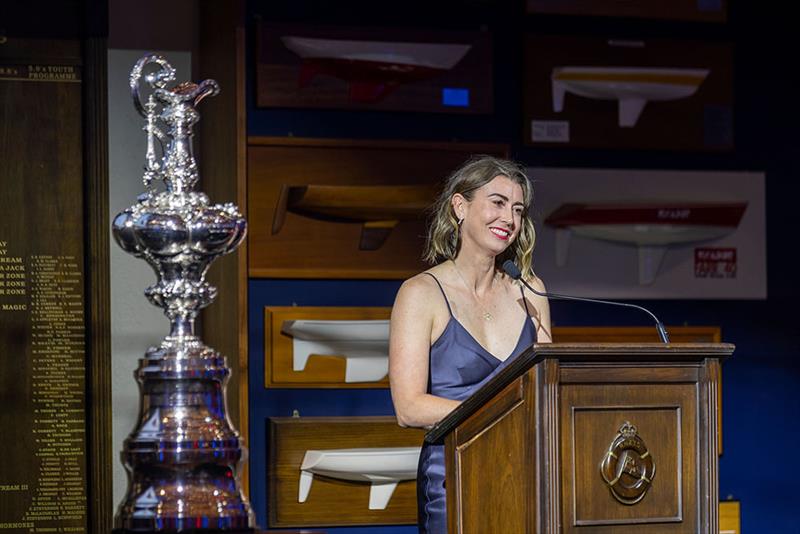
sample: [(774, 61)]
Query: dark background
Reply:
[(760, 382)]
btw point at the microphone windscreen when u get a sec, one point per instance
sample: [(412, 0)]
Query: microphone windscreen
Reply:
[(512, 270)]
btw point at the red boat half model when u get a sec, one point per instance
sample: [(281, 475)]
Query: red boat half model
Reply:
[(373, 69), (652, 228)]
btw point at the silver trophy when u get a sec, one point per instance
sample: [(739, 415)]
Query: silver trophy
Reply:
[(183, 455)]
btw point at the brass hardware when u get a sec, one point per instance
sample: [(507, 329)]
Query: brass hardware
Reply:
[(627, 467)]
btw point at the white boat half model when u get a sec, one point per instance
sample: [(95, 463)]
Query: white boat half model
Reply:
[(382, 467), (632, 87), (363, 344), (373, 69), (652, 228)]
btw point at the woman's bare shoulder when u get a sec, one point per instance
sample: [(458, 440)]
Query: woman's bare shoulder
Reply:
[(419, 301), (536, 282), (419, 283), (420, 288)]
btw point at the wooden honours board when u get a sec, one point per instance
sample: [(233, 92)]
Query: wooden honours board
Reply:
[(50, 412)]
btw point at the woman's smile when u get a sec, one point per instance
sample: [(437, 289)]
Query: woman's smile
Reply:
[(500, 233)]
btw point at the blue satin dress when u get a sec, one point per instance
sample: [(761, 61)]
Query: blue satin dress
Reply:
[(459, 365)]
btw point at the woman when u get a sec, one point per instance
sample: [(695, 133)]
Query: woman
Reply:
[(458, 323)]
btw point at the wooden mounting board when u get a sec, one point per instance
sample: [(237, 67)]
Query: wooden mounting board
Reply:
[(310, 248), (320, 371), (334, 502)]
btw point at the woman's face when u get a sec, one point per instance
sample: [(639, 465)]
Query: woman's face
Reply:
[(493, 218)]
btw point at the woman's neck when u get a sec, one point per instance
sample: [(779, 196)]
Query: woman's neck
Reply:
[(478, 273)]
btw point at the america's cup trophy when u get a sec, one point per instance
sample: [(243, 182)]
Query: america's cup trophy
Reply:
[(182, 457)]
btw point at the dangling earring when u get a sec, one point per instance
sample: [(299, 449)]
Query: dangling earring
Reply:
[(456, 233)]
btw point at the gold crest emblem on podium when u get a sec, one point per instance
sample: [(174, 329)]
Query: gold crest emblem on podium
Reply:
[(628, 467)]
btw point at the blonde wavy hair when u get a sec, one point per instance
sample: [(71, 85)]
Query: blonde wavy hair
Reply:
[(444, 236)]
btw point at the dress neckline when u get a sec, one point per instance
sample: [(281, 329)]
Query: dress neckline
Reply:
[(455, 321)]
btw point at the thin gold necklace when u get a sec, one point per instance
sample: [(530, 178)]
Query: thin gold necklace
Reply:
[(486, 315)]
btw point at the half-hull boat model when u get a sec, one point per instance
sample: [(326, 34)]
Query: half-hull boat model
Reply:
[(652, 228), (379, 208), (373, 69), (364, 344), (632, 87), (382, 467)]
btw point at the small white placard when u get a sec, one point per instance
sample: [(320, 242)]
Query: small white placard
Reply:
[(550, 131)]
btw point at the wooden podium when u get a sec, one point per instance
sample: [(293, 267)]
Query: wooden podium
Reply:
[(598, 438)]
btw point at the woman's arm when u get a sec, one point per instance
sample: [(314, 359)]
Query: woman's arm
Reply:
[(541, 311), (409, 350)]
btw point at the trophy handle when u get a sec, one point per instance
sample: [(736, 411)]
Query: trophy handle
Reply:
[(204, 89), (158, 79)]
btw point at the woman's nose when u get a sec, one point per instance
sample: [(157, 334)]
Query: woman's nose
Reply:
[(508, 215)]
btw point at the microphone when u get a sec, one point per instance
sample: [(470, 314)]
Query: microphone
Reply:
[(513, 271)]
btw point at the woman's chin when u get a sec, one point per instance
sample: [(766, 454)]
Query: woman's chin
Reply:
[(498, 247)]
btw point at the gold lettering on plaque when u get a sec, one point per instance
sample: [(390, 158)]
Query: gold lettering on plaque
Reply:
[(52, 73), (40, 73), (50, 288)]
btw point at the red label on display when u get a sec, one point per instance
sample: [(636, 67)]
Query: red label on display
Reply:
[(715, 263)]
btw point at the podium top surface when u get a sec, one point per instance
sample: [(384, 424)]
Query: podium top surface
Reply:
[(644, 350), (646, 354)]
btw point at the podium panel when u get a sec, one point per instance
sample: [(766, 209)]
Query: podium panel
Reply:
[(487, 465), (664, 419)]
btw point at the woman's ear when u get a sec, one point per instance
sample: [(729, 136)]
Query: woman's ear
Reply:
[(459, 206)]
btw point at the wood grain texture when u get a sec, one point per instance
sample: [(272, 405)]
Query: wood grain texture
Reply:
[(549, 468), (98, 284), (730, 517), (333, 502), (45, 213), (277, 162), (494, 410), (641, 334), (576, 415), (708, 463), (490, 458), (222, 149), (320, 371), (665, 416)]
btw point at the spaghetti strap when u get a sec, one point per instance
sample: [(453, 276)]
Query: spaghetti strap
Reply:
[(443, 293)]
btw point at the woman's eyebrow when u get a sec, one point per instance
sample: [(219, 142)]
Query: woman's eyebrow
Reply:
[(506, 199)]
